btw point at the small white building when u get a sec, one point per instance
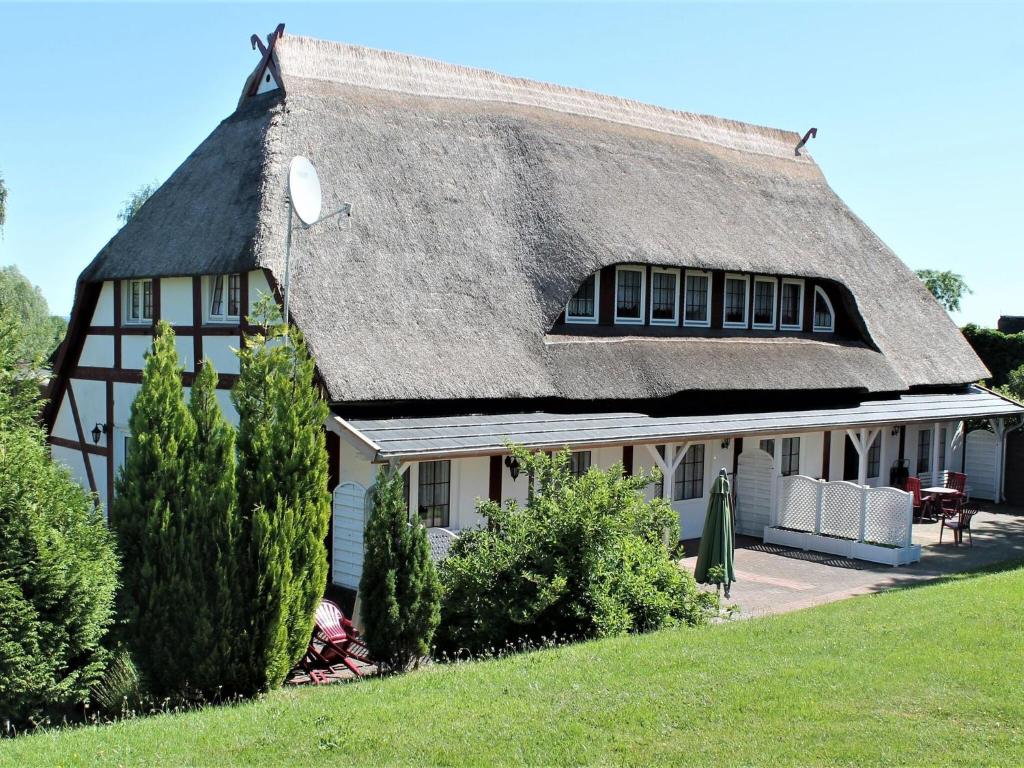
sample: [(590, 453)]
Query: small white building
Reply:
[(536, 264)]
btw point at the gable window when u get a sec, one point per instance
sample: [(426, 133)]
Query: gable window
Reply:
[(790, 459), (924, 451), (225, 297), (140, 301), (629, 294), (579, 463), (824, 317), (875, 457), (735, 312), (582, 307), (689, 480), (698, 299), (435, 493), (764, 302), (664, 296), (792, 305)]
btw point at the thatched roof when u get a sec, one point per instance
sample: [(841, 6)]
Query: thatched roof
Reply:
[(481, 202)]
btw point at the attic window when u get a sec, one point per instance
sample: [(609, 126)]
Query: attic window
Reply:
[(664, 296), (582, 307), (698, 299), (139, 302), (824, 317), (792, 305), (225, 297), (629, 294), (736, 301), (764, 302)]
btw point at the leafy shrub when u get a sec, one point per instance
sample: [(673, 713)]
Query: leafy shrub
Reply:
[(586, 557), (58, 567), (120, 689), (1000, 352), (399, 584)]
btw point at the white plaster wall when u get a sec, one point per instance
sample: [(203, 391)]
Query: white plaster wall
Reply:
[(176, 300), (186, 351), (64, 424), (258, 286), (91, 398), (99, 472), (470, 481), (97, 352), (72, 459), (124, 395), (219, 350), (606, 458), (354, 466), (133, 351), (838, 451), (104, 312), (227, 407)]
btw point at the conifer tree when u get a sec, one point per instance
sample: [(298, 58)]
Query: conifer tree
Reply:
[(284, 506), (212, 534), (399, 586), (161, 586)]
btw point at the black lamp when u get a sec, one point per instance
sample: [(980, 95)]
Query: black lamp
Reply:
[(99, 429), (513, 466)]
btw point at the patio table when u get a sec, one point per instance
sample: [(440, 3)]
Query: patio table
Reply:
[(935, 494)]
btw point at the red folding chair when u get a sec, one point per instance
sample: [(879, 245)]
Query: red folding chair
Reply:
[(912, 485), (338, 640)]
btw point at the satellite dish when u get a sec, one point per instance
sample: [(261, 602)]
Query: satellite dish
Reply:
[(304, 190)]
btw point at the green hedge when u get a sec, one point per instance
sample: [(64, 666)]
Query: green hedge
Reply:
[(1001, 352)]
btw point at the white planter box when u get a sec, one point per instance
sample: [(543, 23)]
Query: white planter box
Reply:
[(872, 553)]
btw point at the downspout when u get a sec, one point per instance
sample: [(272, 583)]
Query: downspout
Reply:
[(1002, 461)]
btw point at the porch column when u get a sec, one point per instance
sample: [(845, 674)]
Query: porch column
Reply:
[(668, 465), (862, 439), (999, 428), (883, 456), (936, 469)]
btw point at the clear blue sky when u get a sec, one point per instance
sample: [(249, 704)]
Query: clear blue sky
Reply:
[(920, 108)]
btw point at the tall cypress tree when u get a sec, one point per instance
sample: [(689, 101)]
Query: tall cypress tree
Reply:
[(399, 585), (159, 585), (284, 506), (212, 531)]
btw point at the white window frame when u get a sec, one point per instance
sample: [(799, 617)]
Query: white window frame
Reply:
[(820, 328), (129, 285), (706, 322), (674, 320), (208, 286), (583, 319), (775, 303), (643, 295), (799, 326), (746, 300)]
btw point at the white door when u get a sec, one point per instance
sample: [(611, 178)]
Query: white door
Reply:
[(982, 449), (349, 512), (755, 474)]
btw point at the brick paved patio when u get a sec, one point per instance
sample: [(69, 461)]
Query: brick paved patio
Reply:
[(772, 579)]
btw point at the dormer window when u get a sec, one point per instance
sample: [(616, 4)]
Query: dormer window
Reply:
[(629, 294), (582, 307), (698, 299), (791, 311), (664, 296), (139, 304), (824, 316), (225, 298), (764, 302), (736, 294)]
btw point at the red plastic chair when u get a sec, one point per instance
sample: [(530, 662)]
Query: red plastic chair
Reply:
[(338, 639), (959, 522), (921, 504), (957, 481)]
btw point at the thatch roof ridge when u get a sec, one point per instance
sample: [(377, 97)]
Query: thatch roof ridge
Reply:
[(313, 59)]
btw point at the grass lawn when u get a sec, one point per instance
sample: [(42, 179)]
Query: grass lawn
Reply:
[(931, 675)]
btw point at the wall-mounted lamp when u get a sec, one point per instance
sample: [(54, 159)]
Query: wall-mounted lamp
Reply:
[(726, 443), (513, 466), (895, 431), (97, 431)]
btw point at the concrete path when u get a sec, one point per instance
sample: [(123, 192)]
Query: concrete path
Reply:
[(773, 579)]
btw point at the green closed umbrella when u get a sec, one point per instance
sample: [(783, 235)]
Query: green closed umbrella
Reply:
[(716, 544)]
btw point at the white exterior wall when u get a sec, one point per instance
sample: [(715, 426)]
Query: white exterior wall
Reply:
[(97, 352), (176, 300), (219, 350), (104, 312)]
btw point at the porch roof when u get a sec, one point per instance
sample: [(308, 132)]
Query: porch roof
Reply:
[(439, 436)]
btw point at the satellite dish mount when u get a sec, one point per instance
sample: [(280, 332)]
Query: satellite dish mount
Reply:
[(305, 200)]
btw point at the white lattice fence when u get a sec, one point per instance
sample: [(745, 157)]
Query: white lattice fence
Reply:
[(888, 518), (840, 510), (798, 503), (845, 510)]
